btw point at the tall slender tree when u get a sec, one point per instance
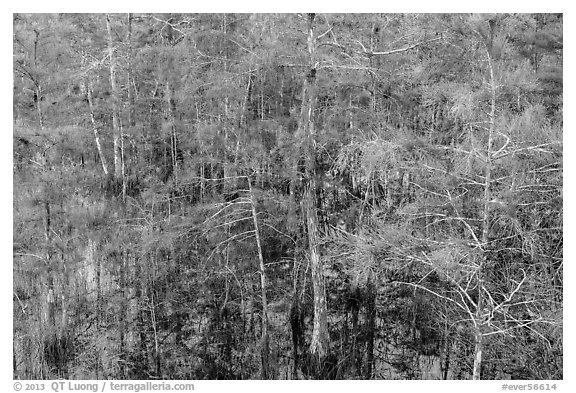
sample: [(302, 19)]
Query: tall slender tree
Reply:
[(320, 344), (116, 125)]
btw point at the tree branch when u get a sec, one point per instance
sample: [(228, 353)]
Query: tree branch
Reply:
[(390, 52)]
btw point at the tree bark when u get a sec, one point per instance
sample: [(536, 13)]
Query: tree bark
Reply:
[(124, 269), (38, 91), (95, 129), (265, 368), (131, 114), (478, 347), (480, 308), (141, 284), (319, 346), (49, 313), (371, 327), (173, 137), (39, 106), (115, 104)]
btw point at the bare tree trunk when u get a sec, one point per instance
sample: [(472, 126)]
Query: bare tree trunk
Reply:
[(115, 104), (131, 114), (478, 347), (95, 128), (371, 328), (39, 106), (480, 308), (174, 139), (153, 305), (319, 346), (123, 314), (265, 368), (355, 308), (143, 368), (99, 314), (293, 186), (38, 91), (247, 98), (123, 169), (447, 341), (49, 313), (202, 181), (225, 65)]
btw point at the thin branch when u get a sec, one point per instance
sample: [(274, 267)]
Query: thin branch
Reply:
[(323, 34), (409, 47), (227, 205), (242, 47), (538, 148), (169, 24), (504, 146), (280, 232), (231, 222), (514, 291), (22, 306), (28, 255)]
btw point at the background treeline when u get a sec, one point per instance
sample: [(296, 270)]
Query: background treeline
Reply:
[(233, 196)]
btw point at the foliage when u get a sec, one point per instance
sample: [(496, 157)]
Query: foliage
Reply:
[(437, 159)]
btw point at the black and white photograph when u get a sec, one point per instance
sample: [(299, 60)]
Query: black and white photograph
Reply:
[(287, 196)]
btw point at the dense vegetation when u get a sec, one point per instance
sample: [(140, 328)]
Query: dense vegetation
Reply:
[(303, 196)]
